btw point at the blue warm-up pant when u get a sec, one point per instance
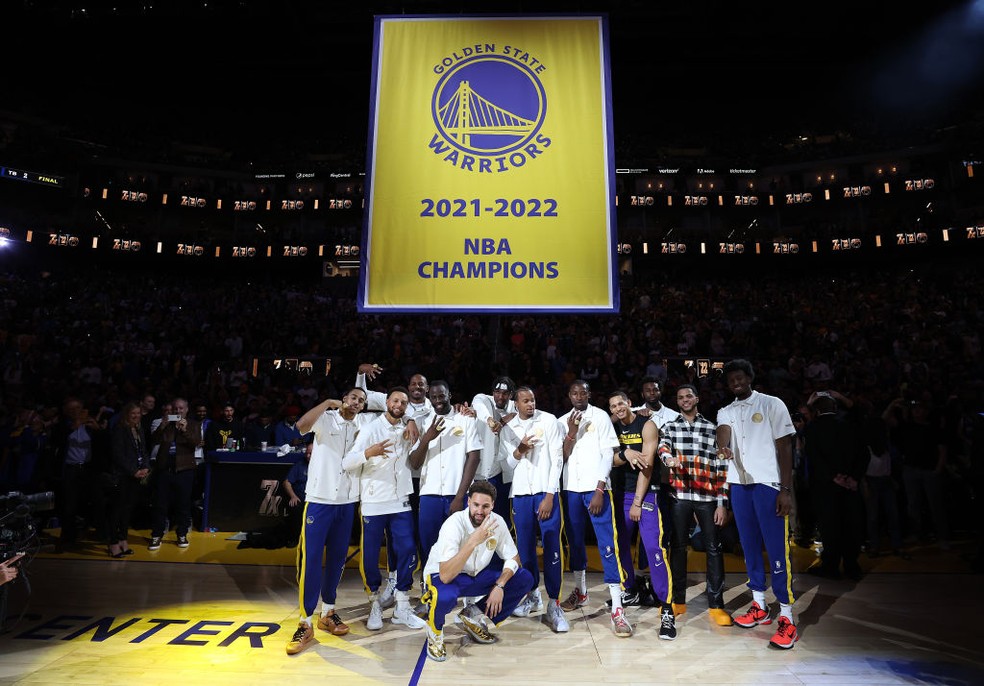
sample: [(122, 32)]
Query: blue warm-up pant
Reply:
[(443, 597), (526, 522), (603, 524), (326, 531), (399, 531), (434, 509), (754, 507)]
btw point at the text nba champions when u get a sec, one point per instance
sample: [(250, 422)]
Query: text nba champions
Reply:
[(494, 254)]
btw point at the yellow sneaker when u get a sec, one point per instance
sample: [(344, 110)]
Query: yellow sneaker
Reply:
[(720, 617), (301, 639), (333, 624), (679, 609)]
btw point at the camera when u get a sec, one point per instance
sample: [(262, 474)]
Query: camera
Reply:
[(18, 530), (174, 418)]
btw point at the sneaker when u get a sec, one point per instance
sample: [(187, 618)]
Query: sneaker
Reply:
[(435, 645), (620, 625), (375, 620), (679, 609), (644, 588), (406, 617), (155, 543), (629, 599), (475, 623), (387, 598), (182, 541), (667, 624), (333, 624), (301, 639), (556, 619), (720, 617), (755, 615), (523, 609), (785, 636), (533, 602), (575, 600)]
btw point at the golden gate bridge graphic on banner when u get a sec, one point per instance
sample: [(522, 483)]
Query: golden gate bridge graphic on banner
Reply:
[(466, 113)]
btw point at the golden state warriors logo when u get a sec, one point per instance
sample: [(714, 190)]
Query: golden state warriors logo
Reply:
[(488, 109)]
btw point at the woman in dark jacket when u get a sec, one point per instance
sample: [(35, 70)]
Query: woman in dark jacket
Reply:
[(130, 465)]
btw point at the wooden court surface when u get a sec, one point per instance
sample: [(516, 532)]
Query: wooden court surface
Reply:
[(218, 614)]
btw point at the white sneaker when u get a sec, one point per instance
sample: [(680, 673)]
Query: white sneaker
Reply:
[(525, 606), (387, 597), (620, 625), (556, 619), (533, 602), (407, 617), (375, 621)]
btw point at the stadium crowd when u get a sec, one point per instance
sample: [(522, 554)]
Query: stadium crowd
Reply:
[(106, 337)]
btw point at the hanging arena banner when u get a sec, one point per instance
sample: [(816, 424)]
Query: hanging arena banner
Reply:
[(490, 183)]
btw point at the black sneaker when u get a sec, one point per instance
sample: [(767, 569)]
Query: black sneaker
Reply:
[(667, 623), (646, 596), (182, 541), (629, 599), (155, 543)]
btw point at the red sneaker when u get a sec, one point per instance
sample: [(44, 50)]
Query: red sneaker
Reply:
[(754, 616), (575, 600), (785, 636)]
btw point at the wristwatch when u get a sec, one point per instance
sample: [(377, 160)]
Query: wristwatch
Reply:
[(500, 585)]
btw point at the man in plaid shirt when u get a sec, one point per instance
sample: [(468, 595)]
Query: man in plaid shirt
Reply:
[(688, 447)]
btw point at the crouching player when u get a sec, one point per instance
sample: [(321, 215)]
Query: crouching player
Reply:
[(463, 563)]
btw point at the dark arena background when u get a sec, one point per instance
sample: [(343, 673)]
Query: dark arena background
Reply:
[(181, 213)]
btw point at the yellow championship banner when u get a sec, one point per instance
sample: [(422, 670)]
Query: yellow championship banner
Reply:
[(491, 166)]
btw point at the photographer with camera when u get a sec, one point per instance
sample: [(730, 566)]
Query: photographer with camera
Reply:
[(174, 473)]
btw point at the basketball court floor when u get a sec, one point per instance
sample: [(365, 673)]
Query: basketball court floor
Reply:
[(216, 613)]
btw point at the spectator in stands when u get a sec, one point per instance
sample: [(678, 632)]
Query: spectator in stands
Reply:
[(226, 431), (129, 469), (285, 432), (837, 459), (260, 431), (75, 439), (918, 436)]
